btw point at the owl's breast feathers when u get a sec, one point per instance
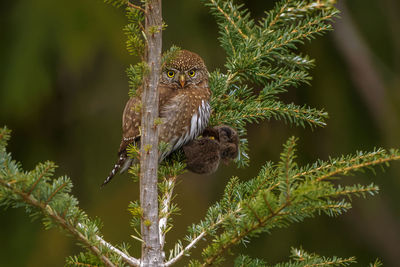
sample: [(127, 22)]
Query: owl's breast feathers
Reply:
[(180, 111), (184, 117)]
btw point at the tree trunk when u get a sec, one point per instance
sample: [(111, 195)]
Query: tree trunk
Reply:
[(151, 249)]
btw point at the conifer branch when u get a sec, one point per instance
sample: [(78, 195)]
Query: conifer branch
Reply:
[(358, 166), (131, 261), (278, 15), (45, 171), (239, 236), (324, 166), (34, 191), (186, 250), (60, 220), (343, 165), (83, 264), (165, 208), (300, 258), (229, 18), (298, 34), (262, 53), (279, 196), (46, 209), (194, 240), (54, 193)]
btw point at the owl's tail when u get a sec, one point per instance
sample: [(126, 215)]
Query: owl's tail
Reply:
[(123, 163)]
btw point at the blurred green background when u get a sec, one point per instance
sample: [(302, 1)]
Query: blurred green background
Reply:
[(63, 88)]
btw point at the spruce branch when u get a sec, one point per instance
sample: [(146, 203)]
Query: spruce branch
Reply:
[(322, 170), (377, 263), (391, 157), (310, 259), (179, 251), (131, 261), (230, 19), (48, 211), (263, 52), (299, 258), (214, 219), (165, 207), (49, 198), (281, 195), (83, 259)]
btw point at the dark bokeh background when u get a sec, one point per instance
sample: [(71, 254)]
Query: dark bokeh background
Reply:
[(63, 88)]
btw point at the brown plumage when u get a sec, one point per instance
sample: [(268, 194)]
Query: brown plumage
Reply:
[(183, 107), (204, 154), (229, 141)]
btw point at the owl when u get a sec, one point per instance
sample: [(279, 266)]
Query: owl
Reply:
[(184, 108)]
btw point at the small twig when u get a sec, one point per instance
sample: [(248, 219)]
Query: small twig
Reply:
[(195, 241), (54, 193), (143, 34), (290, 150), (128, 259), (254, 212), (230, 20), (335, 263), (166, 202), (370, 155), (85, 264), (299, 36), (38, 180), (357, 166), (135, 7), (186, 249), (268, 204), (277, 16)]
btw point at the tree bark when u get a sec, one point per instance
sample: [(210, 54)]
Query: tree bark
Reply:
[(151, 249)]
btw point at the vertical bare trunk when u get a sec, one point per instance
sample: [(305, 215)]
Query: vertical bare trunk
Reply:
[(151, 249)]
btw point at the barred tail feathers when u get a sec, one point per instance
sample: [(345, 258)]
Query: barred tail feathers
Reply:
[(122, 162), (126, 165)]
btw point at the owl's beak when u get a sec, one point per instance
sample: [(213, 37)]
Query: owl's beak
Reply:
[(182, 80)]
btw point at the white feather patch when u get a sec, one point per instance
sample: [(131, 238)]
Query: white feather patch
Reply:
[(193, 125), (198, 123)]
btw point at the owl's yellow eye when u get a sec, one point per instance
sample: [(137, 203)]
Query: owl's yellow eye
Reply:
[(170, 73), (192, 73)]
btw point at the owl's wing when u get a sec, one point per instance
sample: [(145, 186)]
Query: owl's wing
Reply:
[(130, 122), (130, 133), (132, 115)]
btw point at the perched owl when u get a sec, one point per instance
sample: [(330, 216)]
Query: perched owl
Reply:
[(184, 108)]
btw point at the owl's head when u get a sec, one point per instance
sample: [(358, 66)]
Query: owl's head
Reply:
[(185, 69)]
